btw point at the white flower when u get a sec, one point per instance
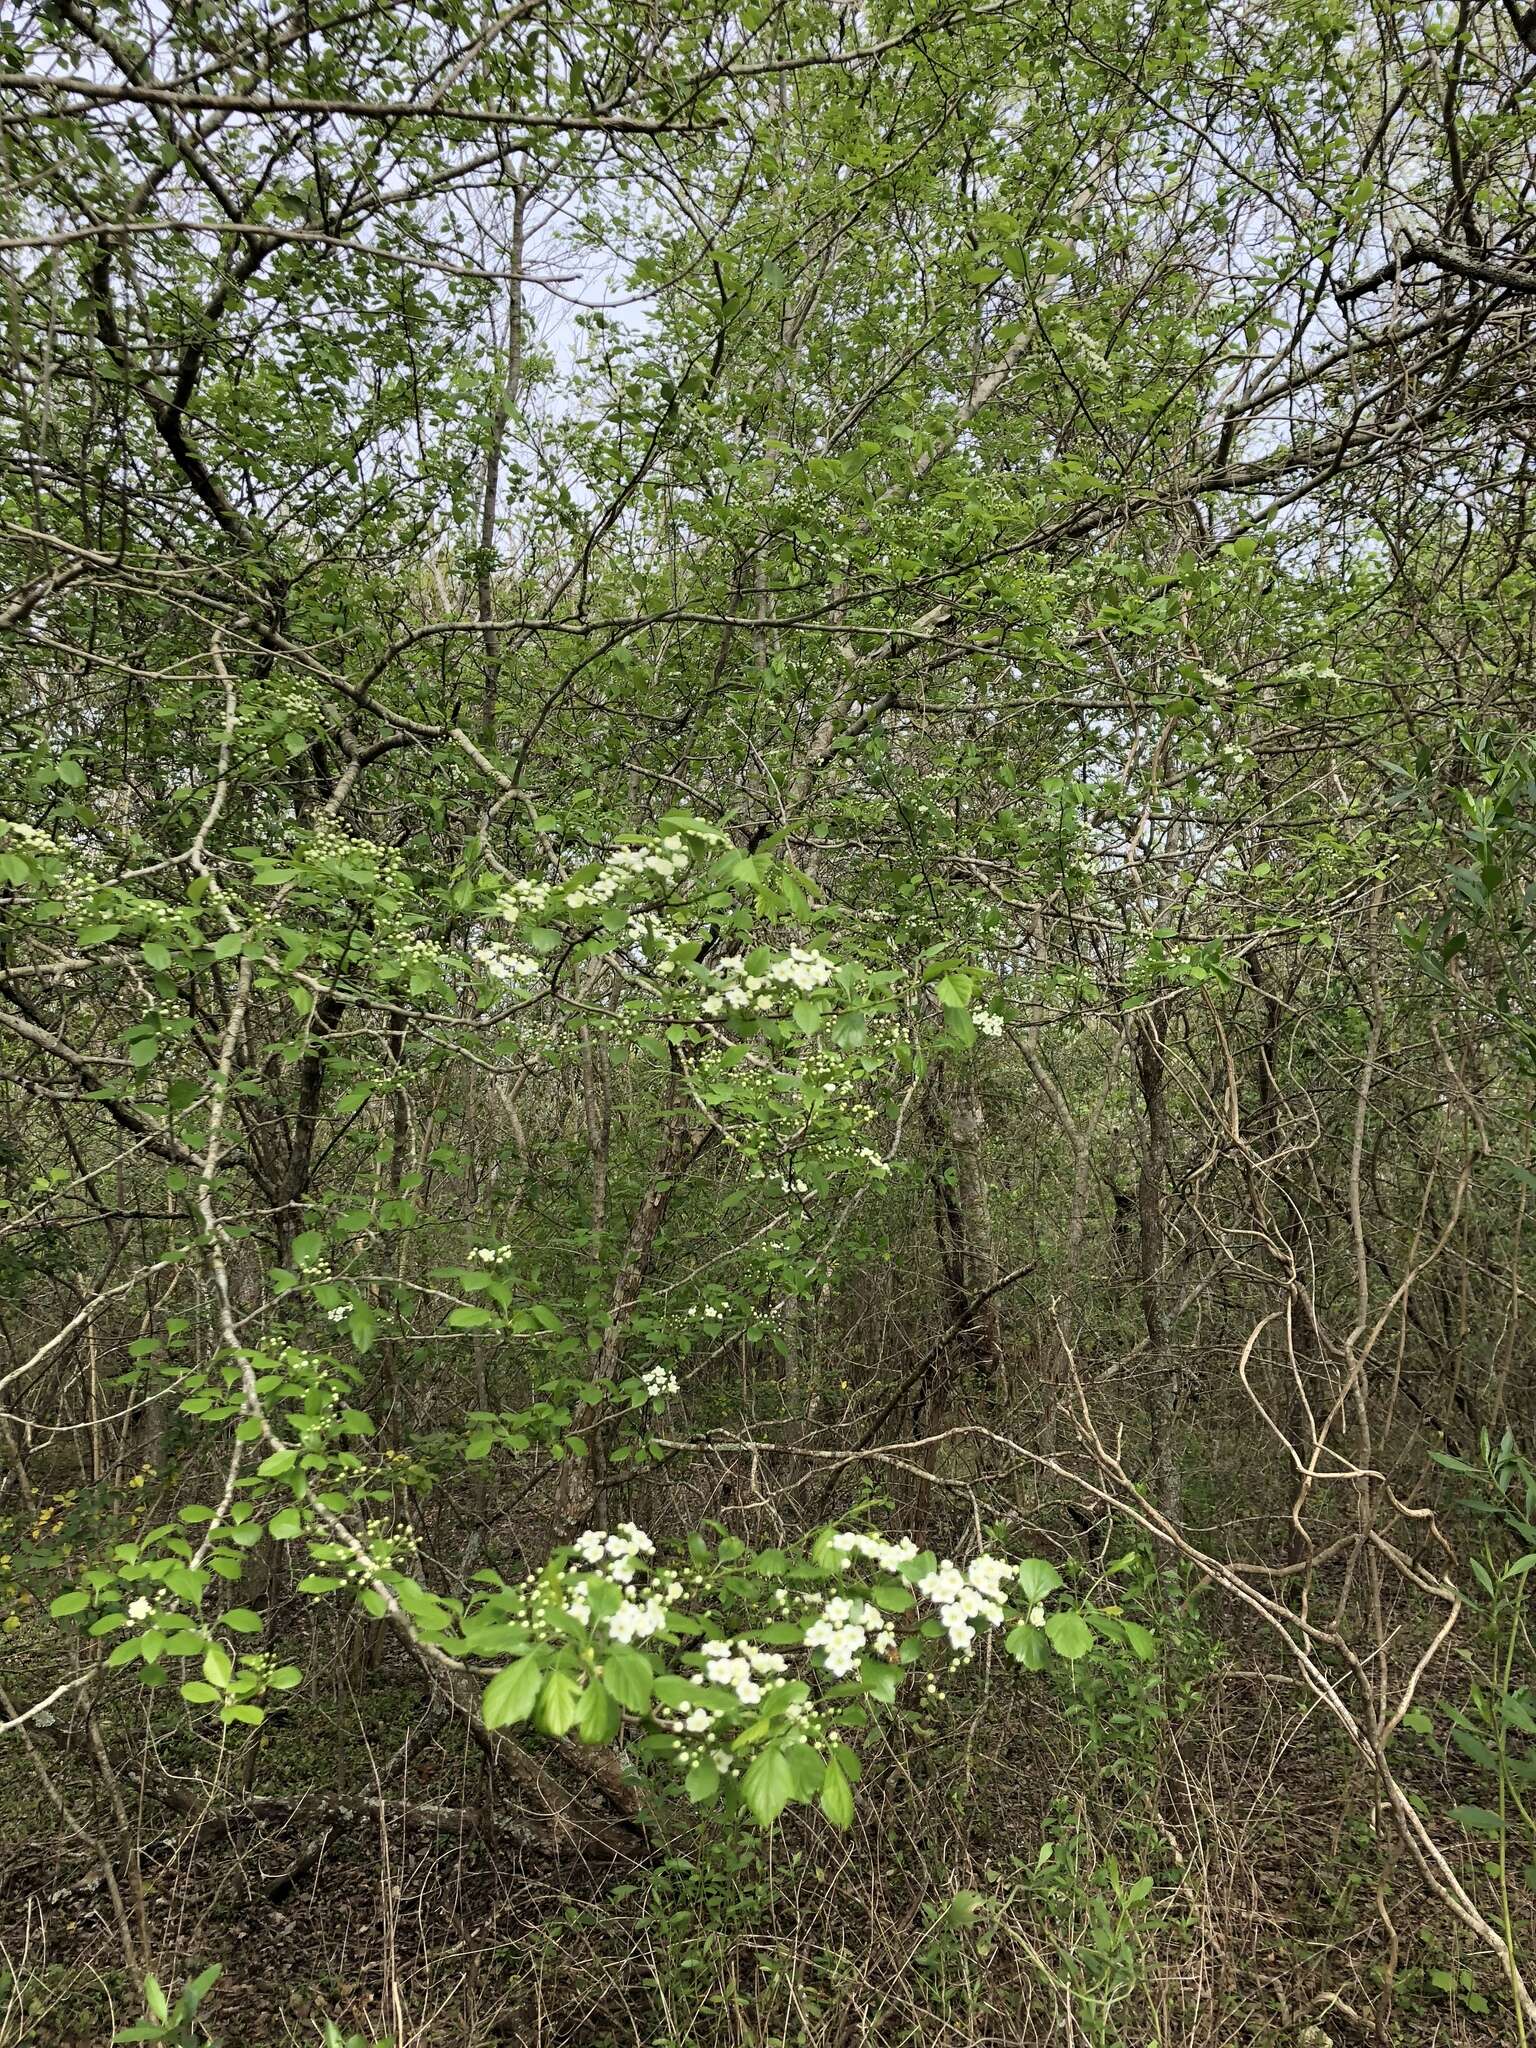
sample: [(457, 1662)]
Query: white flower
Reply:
[(502, 964), (989, 1575), (889, 1556), (943, 1585), (633, 1620), (723, 1666), (522, 896), (659, 1381), (590, 1546), (699, 1721), (140, 1609), (841, 1648), (988, 1023)]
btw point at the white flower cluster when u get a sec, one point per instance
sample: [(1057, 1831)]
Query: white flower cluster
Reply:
[(140, 1609), (1088, 349), (521, 897), (619, 1553), (710, 1311), (419, 952), (633, 1620), (76, 891), (618, 1550), (964, 1598), (664, 862), (988, 1023), (801, 969), (489, 1254), (654, 935), (740, 1668), (844, 1630), (298, 699), (29, 836), (502, 963), (659, 1381), (328, 842), (890, 1557)]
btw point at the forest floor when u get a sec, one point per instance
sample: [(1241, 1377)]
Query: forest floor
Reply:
[(1211, 1880)]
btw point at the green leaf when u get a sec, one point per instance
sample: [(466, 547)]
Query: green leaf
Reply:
[(836, 1797), (600, 1718), (559, 1703), (1480, 1819), (70, 1603), (627, 1675), (243, 1620), (1070, 1635), (470, 1318), (285, 1523), (1037, 1579), (512, 1692), (1029, 1646), (1142, 1642), (767, 1785), (702, 1782), (879, 1679)]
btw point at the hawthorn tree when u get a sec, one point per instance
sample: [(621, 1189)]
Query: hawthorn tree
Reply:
[(755, 757)]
